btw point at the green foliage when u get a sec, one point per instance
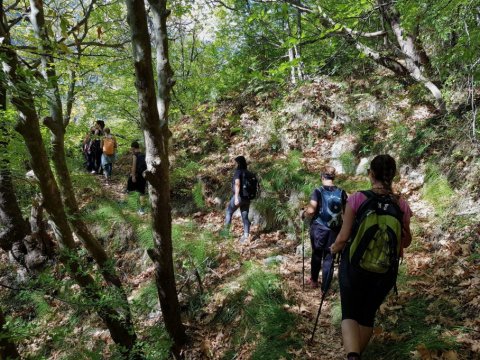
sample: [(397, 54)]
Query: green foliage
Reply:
[(282, 179), (184, 173), (157, 344), (365, 132), (260, 318), (416, 330), (275, 139), (146, 300), (412, 148), (197, 194), (348, 162), (352, 184), (437, 191), (194, 247)]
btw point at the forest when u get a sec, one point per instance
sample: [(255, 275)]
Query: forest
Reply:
[(121, 127)]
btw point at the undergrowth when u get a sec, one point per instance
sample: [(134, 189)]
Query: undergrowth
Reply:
[(257, 311), (438, 191), (410, 329), (284, 188)]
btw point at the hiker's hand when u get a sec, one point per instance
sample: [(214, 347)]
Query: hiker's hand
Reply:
[(134, 178), (302, 214), (236, 201), (336, 248)]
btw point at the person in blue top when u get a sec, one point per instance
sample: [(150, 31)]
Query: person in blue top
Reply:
[(237, 201), (326, 208)]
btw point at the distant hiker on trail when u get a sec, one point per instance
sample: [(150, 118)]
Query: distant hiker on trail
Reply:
[(87, 150), (109, 148), (327, 204), (136, 181), (244, 189), (96, 148), (376, 225)]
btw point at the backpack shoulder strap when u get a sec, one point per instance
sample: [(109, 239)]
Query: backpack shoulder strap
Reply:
[(319, 189)]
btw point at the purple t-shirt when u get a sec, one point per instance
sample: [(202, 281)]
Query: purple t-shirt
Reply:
[(357, 199)]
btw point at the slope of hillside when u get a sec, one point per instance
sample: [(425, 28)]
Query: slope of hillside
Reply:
[(247, 301)]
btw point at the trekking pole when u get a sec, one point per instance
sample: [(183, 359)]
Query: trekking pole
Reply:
[(303, 255), (324, 294)]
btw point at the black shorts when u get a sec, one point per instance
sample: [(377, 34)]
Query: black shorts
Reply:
[(139, 185), (321, 237), (362, 292)]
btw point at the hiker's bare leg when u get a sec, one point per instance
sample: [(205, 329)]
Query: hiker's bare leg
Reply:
[(351, 336), (365, 335)]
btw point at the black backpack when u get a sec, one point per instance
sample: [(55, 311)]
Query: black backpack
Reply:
[(141, 164), (249, 185)]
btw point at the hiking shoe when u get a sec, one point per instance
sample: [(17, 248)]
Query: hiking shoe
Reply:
[(244, 239), (93, 172), (313, 284), (141, 212)]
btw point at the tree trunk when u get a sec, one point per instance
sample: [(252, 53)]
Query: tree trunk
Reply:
[(57, 126), (298, 48), (414, 61), (154, 123), (291, 58), (15, 226), (8, 350), (28, 126)]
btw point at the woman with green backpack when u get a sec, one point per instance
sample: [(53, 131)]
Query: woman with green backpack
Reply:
[(376, 225)]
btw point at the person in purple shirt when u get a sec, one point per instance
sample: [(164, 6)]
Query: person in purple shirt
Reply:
[(362, 293)]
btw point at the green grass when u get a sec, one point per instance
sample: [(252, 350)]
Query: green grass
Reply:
[(351, 185), (257, 308), (197, 194), (414, 329), (278, 182), (348, 162), (196, 247), (438, 191)]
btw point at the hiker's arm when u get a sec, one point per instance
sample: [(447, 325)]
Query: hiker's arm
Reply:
[(406, 235), (310, 210), (133, 169), (345, 231), (237, 191)]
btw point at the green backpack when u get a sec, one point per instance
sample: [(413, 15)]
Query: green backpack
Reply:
[(376, 236)]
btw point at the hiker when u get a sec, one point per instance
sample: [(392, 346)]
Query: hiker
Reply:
[(109, 148), (367, 276), (326, 207), (88, 150), (239, 201), (136, 181), (96, 147)]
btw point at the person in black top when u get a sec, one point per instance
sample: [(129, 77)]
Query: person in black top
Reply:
[(96, 147), (136, 181), (237, 202), (326, 206)]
